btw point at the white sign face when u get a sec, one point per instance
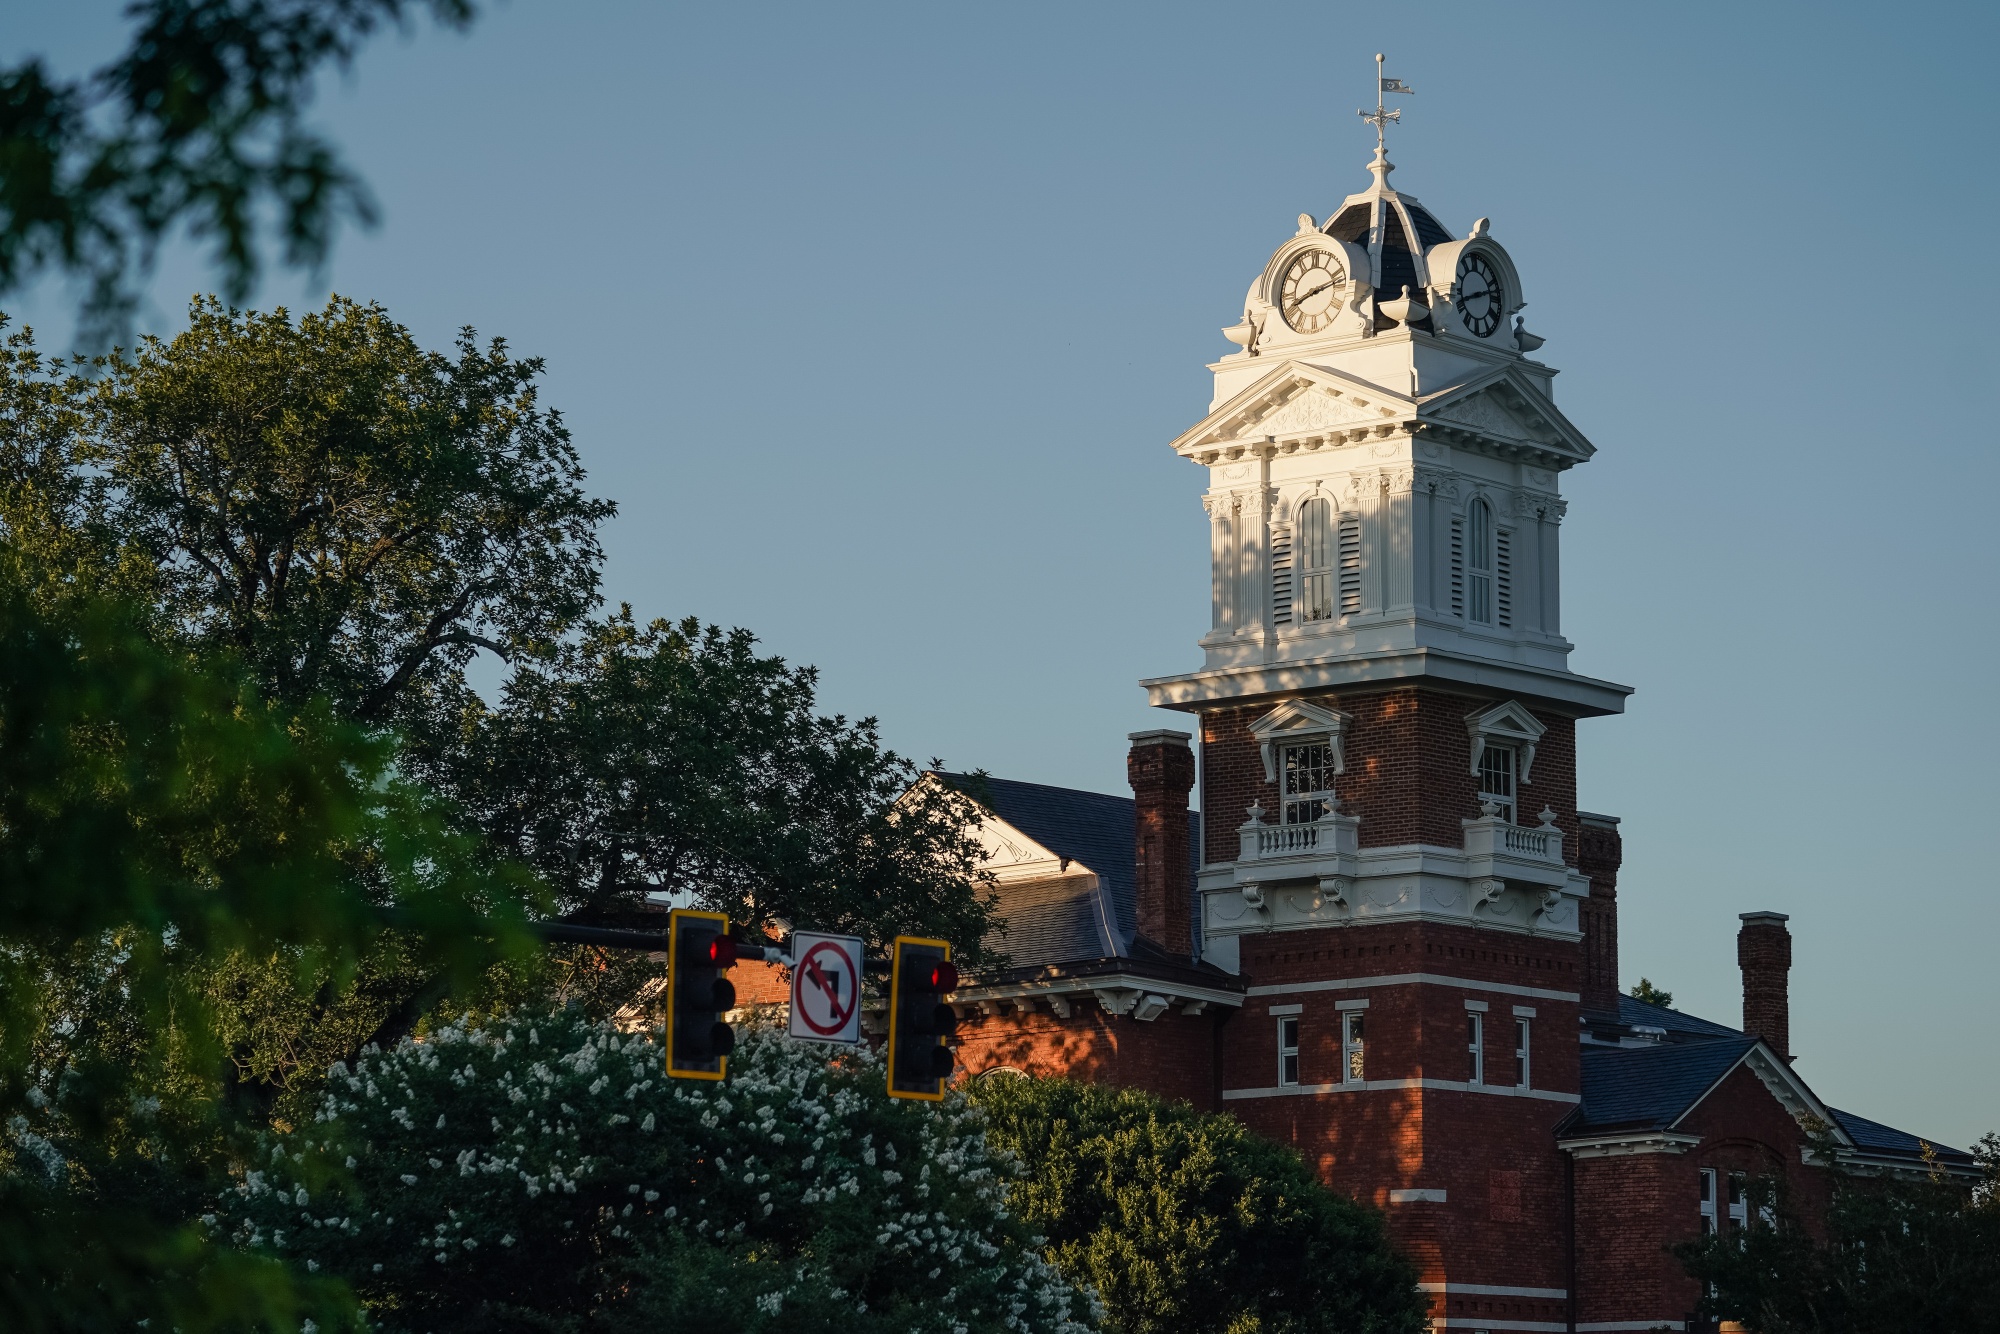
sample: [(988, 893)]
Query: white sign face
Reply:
[(826, 987)]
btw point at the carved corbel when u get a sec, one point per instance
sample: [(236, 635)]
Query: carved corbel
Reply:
[(1486, 892), (1117, 1000), (1059, 1006)]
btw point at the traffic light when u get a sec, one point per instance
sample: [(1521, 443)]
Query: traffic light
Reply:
[(698, 995), (920, 1023)]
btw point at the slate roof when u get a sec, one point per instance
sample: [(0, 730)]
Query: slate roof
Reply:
[(1875, 1138), (1047, 926), (1650, 1088), (1679, 1027)]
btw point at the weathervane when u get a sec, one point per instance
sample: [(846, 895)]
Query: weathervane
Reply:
[(1381, 115)]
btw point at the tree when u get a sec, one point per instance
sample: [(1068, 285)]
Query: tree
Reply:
[(1188, 1223), (1894, 1254), (539, 1171), (1652, 995), (200, 124), (675, 758), (351, 516), (154, 818)]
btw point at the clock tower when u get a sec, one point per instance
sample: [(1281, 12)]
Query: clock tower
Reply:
[(1392, 858)]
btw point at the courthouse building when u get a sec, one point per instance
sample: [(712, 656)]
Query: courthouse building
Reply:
[(1388, 933)]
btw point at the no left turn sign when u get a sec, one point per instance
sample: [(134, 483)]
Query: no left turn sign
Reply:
[(826, 987)]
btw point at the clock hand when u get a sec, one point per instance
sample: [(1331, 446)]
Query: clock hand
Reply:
[(1315, 292)]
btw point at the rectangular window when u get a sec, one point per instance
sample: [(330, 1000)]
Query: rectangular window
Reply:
[(1354, 1046), (1308, 782), (1314, 551), (1708, 1214), (1739, 1203), (1288, 1051), (1496, 779), (1520, 1053), (1475, 1044)]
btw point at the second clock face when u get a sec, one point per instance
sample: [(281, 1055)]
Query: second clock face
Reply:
[(1479, 298), (1309, 296)]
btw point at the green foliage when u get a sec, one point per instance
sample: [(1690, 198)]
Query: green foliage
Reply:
[(542, 1173), (350, 516), (1652, 995), (199, 124), (1187, 1223), (156, 819), (1896, 1254), (675, 757)]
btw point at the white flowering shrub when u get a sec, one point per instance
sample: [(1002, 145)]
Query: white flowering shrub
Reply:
[(544, 1173)]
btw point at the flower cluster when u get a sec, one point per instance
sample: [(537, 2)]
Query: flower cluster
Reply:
[(547, 1164)]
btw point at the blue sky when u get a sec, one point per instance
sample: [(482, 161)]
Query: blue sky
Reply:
[(876, 321)]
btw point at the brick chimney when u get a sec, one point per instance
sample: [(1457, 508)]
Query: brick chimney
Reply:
[(1600, 852), (1161, 769), (1764, 952)]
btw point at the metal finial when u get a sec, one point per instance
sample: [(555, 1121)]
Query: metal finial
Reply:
[(1382, 115)]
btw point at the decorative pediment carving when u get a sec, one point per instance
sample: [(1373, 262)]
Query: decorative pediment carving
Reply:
[(1311, 409), (1485, 413)]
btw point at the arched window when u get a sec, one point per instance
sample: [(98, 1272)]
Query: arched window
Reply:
[(1315, 557), (1479, 562)]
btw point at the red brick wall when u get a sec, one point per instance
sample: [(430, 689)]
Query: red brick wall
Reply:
[(1631, 1210), (1173, 1056), (1162, 774), (1628, 1211), (1409, 770), (1599, 856)]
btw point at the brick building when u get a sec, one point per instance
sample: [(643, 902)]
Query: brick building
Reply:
[(1388, 935)]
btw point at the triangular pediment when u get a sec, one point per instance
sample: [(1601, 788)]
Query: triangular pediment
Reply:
[(1783, 1084), (1294, 401), (1508, 409)]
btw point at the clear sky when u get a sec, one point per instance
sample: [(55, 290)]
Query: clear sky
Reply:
[(876, 320)]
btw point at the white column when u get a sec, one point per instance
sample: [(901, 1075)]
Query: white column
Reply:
[(1222, 561), (1551, 563)]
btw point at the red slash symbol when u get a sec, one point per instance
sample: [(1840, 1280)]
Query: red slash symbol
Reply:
[(827, 979)]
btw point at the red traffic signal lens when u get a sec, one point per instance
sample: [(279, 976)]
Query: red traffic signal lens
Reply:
[(721, 952), (941, 977)]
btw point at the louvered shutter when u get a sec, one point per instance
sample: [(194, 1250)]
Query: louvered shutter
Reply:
[(1503, 575), (1350, 564), (1457, 566), (1281, 577)]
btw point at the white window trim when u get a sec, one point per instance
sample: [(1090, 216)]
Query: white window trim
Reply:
[(1504, 724), (1711, 1220), (1297, 721), (1291, 1051), (1476, 1046), (1350, 1046), (1524, 1053)]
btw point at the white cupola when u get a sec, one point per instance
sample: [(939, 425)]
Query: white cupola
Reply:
[(1383, 455)]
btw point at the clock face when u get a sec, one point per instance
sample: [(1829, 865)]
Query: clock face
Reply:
[(1310, 293), (1479, 296)]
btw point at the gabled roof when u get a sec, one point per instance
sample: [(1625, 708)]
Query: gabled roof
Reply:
[(1651, 1088), (1051, 925), (1654, 1088)]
